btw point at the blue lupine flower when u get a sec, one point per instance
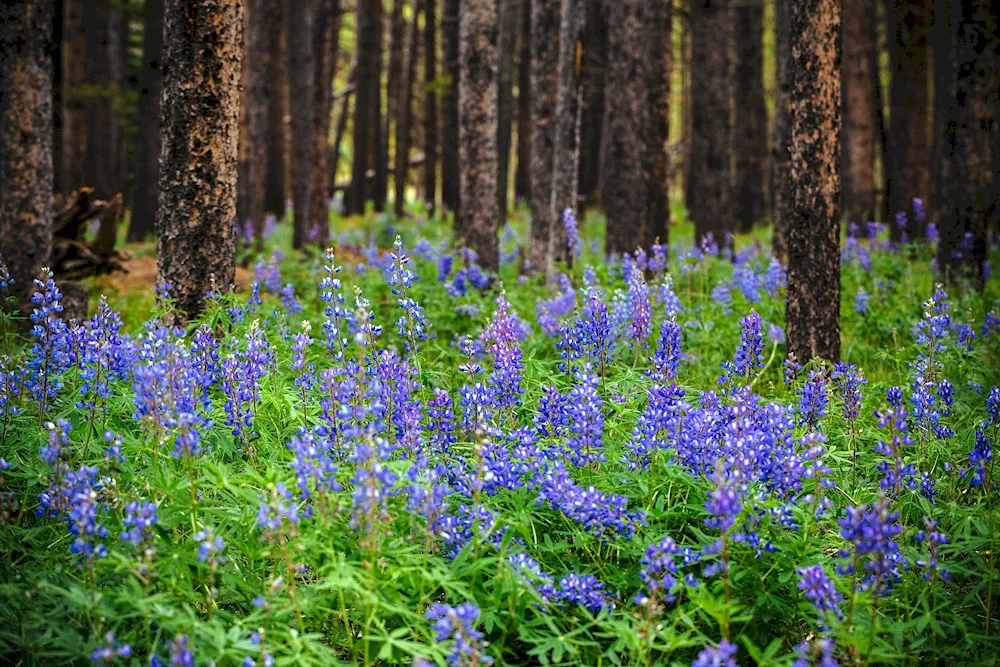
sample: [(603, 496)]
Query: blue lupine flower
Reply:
[(456, 626), (584, 590), (872, 531), (180, 654), (572, 233), (668, 351), (817, 654), (711, 656), (819, 590), (108, 653), (140, 521)]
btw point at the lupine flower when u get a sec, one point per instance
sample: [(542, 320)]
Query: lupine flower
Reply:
[(584, 590), (180, 654), (898, 474), (814, 399), (750, 353), (774, 277), (720, 295), (872, 531), (501, 337), (861, 301), (584, 413), (817, 654), (849, 380), (140, 521), (640, 309), (413, 324), (530, 573), (572, 233), (277, 512), (723, 656), (819, 590), (596, 512), (210, 547), (668, 351), (49, 356), (933, 538), (108, 653), (456, 626), (659, 570), (338, 317)]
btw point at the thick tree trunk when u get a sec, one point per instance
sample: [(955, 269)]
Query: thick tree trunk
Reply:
[(58, 10), (710, 176), (300, 82), (750, 128), (477, 125), (380, 158), (369, 20), (522, 175), (593, 61), (544, 90), (450, 186), (857, 161), (394, 84), (908, 167), (404, 121), (509, 22), (74, 117), (812, 312), (943, 62), (967, 161), (26, 177), (566, 148), (277, 129), (781, 151), (102, 73), (148, 136), (196, 227), (660, 62), (338, 136), (326, 42), (431, 100)]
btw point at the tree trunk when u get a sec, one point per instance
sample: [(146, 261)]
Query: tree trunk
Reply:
[(338, 136), (380, 158), (404, 121), (56, 38), (369, 20), (660, 62), (431, 96), (781, 151), (450, 190), (812, 311), (477, 125), (750, 128), (710, 176), (394, 85), (196, 227), (300, 82), (148, 136), (594, 60), (509, 15), (857, 160), (967, 159), (909, 167), (101, 72), (566, 149), (544, 90), (326, 42), (522, 176), (26, 177), (74, 117), (276, 192), (943, 62)]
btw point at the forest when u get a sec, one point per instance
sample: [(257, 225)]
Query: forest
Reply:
[(499, 332)]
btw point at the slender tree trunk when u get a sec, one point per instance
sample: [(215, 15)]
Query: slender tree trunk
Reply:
[(812, 312), (430, 102), (74, 125), (544, 91), (395, 83), (943, 62), (450, 190), (404, 121), (101, 68), (148, 149), (196, 227), (509, 15), (660, 62), (594, 60), (522, 176), (261, 15), (967, 160), (300, 81), (59, 9), (858, 96), (26, 176), (276, 191), (710, 174), (338, 137), (380, 156), (477, 103), (909, 148), (750, 128), (369, 32), (566, 148), (781, 153), (326, 42)]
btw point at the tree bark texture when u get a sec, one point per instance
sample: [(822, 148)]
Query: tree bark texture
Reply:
[(943, 77), (522, 174), (750, 127), (909, 146), (857, 162), (394, 83), (148, 136), (660, 63), (404, 120), (366, 99), (277, 129), (566, 143), (300, 81), (812, 313), (196, 228), (709, 188), (544, 91), (431, 100), (450, 190), (781, 150), (477, 124), (326, 32), (102, 74), (509, 21), (593, 61), (74, 123), (26, 176), (380, 158)]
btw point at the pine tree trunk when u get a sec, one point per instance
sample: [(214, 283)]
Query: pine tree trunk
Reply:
[(943, 61), (102, 59), (450, 187), (394, 85), (781, 151), (750, 128), (857, 161), (522, 175), (544, 90), (338, 136), (276, 191), (566, 150), (594, 60), (74, 118), (477, 124), (660, 62), (369, 20), (509, 21), (261, 15), (812, 312), (148, 135), (430, 101), (404, 121), (909, 167), (58, 10), (710, 184), (380, 156), (967, 161), (300, 83), (196, 227), (26, 176), (326, 42)]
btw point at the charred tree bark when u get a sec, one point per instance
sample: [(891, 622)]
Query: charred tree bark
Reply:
[(450, 186), (857, 163), (404, 121), (750, 128), (102, 74), (943, 62), (508, 16), (566, 149), (812, 312), (431, 98), (369, 20), (781, 151), (477, 103), (58, 9), (196, 228), (380, 158), (300, 83), (394, 84), (276, 191), (74, 123), (908, 166), (522, 175), (26, 176), (660, 62), (594, 60), (338, 137), (709, 188), (148, 149), (967, 161), (544, 91), (326, 42)]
